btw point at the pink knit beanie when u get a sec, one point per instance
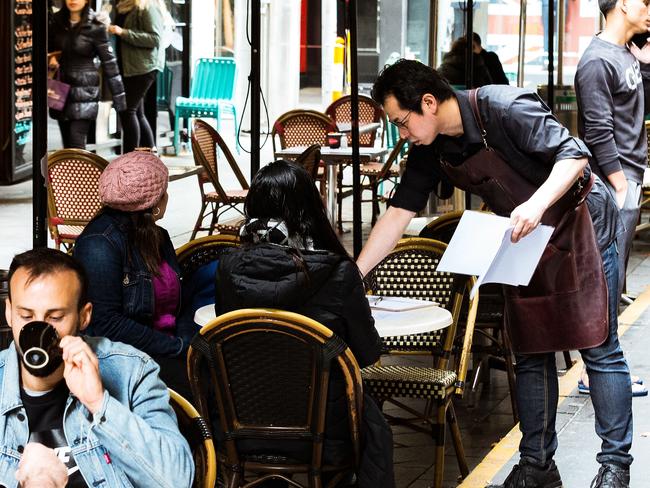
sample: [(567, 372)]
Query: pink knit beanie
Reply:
[(134, 181)]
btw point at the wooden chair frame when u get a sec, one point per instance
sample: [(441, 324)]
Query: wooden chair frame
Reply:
[(85, 193), (197, 252), (207, 352), (215, 203), (489, 320), (197, 432)]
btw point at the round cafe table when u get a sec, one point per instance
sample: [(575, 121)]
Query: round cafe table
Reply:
[(387, 323)]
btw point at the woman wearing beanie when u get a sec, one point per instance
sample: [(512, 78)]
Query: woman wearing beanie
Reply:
[(139, 29), (133, 275)]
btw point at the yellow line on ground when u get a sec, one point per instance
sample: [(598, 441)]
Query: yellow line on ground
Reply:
[(508, 446)]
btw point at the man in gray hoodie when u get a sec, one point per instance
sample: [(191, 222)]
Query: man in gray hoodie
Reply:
[(610, 96)]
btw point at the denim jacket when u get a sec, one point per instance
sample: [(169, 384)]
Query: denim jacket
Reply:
[(132, 441), (120, 287)]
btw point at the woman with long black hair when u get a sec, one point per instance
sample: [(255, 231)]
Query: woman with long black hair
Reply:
[(75, 38), (291, 259)]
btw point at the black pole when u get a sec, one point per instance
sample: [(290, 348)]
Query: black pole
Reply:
[(551, 55), (356, 176), (469, 64), (39, 119), (255, 87), (469, 58)]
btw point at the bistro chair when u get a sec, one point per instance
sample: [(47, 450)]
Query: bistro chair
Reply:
[(310, 160), (197, 433), (301, 128), (211, 94), (495, 349), (340, 110), (72, 193), (270, 373), (374, 174), (208, 145), (199, 252), (410, 271)]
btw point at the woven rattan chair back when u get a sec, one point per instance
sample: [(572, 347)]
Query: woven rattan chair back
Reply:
[(490, 314), (409, 270), (310, 160), (198, 252), (270, 370), (340, 110), (72, 192), (301, 128), (197, 433), (206, 144)]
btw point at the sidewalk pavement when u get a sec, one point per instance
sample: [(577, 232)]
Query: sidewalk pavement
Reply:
[(578, 443)]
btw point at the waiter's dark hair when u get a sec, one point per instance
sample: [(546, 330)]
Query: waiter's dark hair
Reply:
[(408, 81), (606, 6)]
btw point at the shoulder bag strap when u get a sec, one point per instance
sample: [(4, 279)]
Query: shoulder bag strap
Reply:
[(473, 101)]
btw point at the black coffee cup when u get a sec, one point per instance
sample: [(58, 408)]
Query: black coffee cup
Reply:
[(38, 345)]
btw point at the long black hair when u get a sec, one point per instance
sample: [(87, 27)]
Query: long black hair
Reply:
[(285, 191)]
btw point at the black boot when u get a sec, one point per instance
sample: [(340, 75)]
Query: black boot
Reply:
[(527, 475), (612, 476)]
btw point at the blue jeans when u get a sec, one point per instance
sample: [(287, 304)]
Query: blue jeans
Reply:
[(609, 381)]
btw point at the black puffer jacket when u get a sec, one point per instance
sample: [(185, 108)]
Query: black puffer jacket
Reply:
[(80, 46), (453, 69), (266, 275)]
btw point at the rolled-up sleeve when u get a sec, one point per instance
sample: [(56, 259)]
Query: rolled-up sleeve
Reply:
[(535, 131)]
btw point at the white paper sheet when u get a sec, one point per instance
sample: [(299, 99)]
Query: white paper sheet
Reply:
[(481, 246)]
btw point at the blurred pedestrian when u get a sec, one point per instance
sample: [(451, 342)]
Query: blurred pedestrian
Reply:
[(453, 67), (140, 27), (491, 62), (76, 38)]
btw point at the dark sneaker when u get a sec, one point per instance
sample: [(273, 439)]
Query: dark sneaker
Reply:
[(612, 476), (526, 475)]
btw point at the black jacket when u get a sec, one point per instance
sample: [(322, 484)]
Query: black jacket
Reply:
[(79, 47), (453, 69), (266, 275), (494, 67)]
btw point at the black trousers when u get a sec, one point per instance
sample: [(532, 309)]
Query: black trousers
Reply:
[(74, 133), (135, 127)]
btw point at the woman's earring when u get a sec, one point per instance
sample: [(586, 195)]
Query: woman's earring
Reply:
[(156, 212)]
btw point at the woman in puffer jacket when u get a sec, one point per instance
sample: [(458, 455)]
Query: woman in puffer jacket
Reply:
[(79, 39), (291, 259)]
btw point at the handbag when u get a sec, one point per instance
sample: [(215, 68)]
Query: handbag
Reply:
[(57, 92)]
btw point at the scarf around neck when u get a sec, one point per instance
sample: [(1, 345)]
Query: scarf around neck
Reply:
[(275, 232)]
